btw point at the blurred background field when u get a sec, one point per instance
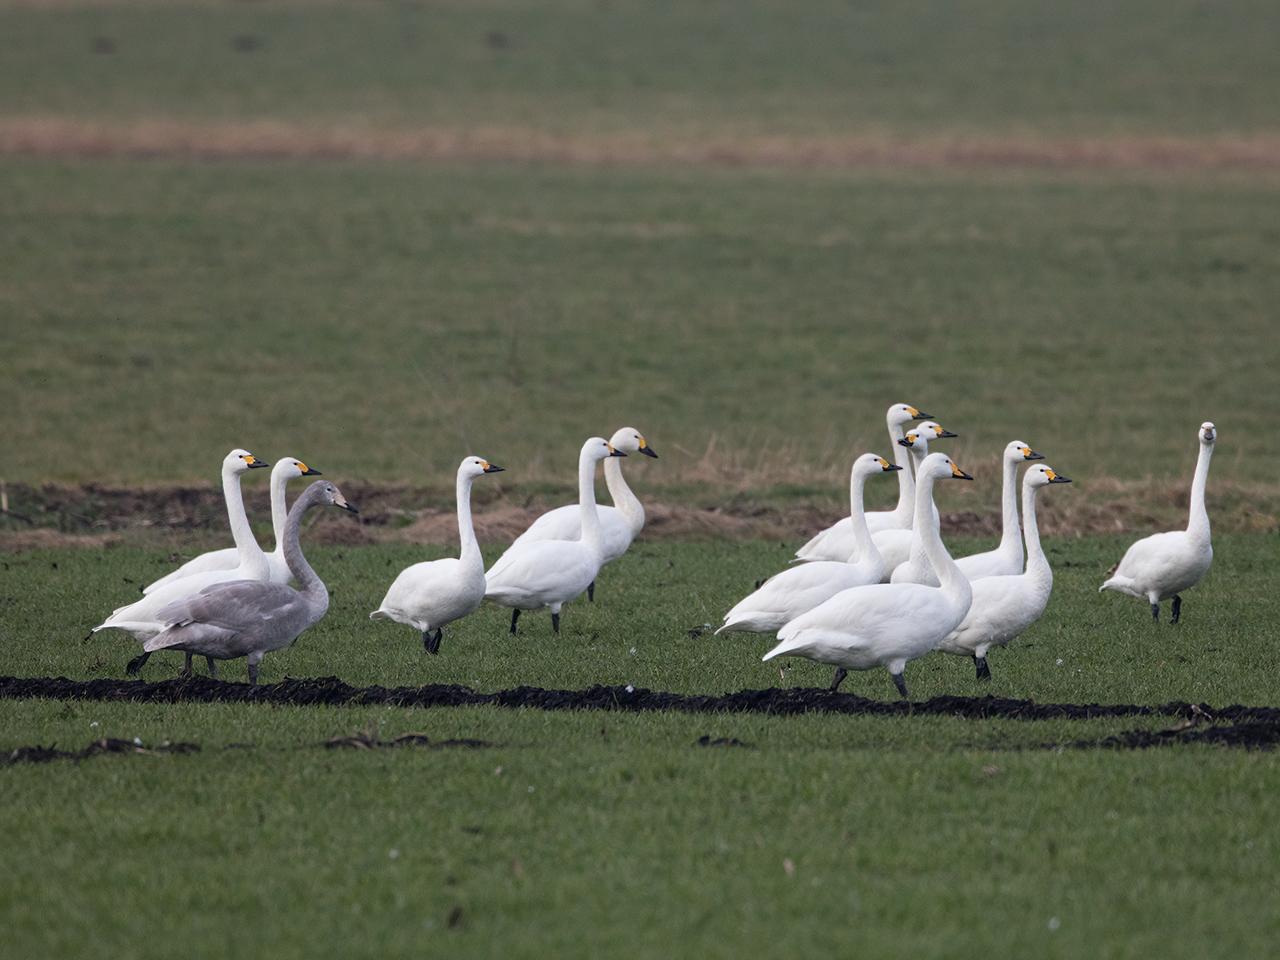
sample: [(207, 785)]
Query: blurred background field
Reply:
[(753, 310)]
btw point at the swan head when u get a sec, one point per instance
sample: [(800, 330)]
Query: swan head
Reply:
[(870, 464), (1041, 475), (631, 440), (290, 467), (903, 413), (477, 467), (917, 441), (327, 493), (941, 467), (598, 448), (1208, 433), (1017, 451), (242, 461)]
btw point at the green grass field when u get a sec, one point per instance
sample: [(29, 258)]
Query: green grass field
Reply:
[(705, 252), (578, 832)]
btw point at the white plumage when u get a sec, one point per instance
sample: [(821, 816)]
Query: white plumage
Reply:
[(887, 624), (429, 596), (800, 588), (1160, 567)]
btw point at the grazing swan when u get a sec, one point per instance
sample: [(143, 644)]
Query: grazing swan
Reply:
[(887, 624), (894, 544), (836, 542), (1163, 565), (139, 617), (1007, 558), (1005, 606), (248, 618), (801, 588), (427, 596), (550, 573), (286, 469), (619, 524)]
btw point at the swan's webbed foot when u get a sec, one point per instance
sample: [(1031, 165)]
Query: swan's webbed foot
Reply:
[(431, 641), (837, 678), (901, 684), (984, 672), (515, 615), (1177, 608), (555, 623), (1155, 612), (591, 592), (134, 666)]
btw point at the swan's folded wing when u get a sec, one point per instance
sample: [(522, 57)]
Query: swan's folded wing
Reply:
[(871, 611), (226, 559), (562, 523), (235, 605), (1153, 557), (538, 568)]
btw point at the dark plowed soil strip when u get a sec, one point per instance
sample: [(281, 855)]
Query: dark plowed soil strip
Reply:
[(369, 741), (41, 754), (330, 691), (1248, 735)]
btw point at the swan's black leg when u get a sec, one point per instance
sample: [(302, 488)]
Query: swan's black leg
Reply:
[(984, 672), (555, 622), (591, 592), (253, 673), (1177, 608), (1155, 612), (838, 678), (213, 667), (431, 641), (185, 672), (135, 665), (515, 615), (901, 684)]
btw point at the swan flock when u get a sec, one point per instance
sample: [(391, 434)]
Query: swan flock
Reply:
[(875, 589)]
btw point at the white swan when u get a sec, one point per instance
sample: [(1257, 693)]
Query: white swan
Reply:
[(1163, 565), (887, 624), (140, 617), (286, 469), (801, 588), (550, 573), (1004, 606), (428, 596), (836, 542), (619, 524), (1007, 558), (894, 543)]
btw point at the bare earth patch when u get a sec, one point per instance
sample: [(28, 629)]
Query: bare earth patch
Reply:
[(94, 517), (61, 136)]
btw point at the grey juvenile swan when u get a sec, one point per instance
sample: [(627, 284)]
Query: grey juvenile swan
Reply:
[(248, 618)]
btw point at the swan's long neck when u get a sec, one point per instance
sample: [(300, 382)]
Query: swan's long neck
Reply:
[(621, 494), (279, 509), (466, 532), (307, 579), (906, 478), (1037, 563), (1010, 539), (863, 546), (241, 532), (954, 583), (587, 502), (1198, 521)]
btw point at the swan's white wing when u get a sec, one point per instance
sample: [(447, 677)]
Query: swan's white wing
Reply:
[(213, 560), (833, 543), (562, 523), (993, 563), (544, 571), (1002, 608), (797, 590)]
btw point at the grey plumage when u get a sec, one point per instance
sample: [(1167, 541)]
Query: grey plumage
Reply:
[(249, 618)]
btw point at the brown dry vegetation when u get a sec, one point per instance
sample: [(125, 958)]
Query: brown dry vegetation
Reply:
[(62, 136)]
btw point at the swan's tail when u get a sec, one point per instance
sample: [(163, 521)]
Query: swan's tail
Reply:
[(379, 614), (1119, 584), (792, 644)]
